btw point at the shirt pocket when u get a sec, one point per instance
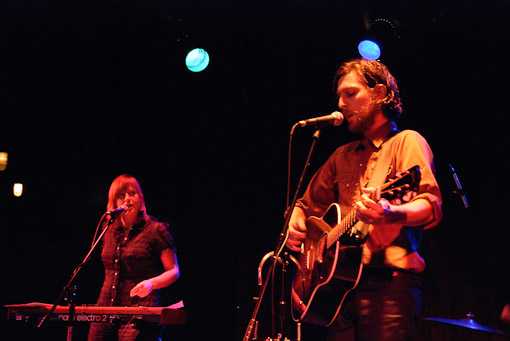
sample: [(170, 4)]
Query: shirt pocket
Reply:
[(347, 186)]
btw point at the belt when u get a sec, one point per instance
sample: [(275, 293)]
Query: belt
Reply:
[(388, 272)]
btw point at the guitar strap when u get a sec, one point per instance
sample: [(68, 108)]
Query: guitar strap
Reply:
[(382, 166), (381, 171)]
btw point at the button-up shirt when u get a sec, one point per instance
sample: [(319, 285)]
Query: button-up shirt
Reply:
[(130, 258), (350, 168)]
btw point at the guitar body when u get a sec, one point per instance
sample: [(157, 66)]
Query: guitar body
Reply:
[(327, 274)]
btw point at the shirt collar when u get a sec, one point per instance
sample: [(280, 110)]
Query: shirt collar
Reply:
[(383, 133)]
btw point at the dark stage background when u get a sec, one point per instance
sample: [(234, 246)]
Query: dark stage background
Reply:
[(93, 89)]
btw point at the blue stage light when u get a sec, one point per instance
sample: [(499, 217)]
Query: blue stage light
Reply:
[(369, 49), (197, 60)]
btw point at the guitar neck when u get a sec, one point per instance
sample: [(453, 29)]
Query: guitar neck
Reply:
[(404, 182), (338, 231)]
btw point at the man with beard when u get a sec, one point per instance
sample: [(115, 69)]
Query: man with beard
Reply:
[(386, 301)]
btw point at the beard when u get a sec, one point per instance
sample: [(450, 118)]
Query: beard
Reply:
[(363, 118)]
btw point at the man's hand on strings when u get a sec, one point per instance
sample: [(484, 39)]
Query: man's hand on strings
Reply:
[(382, 212)]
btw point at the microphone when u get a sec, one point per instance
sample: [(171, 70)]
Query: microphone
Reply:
[(117, 210), (335, 118)]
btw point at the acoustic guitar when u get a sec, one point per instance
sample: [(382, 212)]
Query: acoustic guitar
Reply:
[(330, 259)]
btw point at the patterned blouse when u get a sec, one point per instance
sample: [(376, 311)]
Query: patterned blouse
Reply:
[(130, 259)]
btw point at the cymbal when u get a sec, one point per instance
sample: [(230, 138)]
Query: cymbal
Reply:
[(468, 322)]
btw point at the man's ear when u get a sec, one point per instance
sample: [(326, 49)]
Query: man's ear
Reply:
[(380, 92)]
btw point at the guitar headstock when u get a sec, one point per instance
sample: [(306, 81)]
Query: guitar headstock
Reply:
[(401, 184)]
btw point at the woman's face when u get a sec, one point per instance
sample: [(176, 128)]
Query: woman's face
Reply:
[(129, 197)]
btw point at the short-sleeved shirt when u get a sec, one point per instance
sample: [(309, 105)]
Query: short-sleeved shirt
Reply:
[(130, 259), (350, 168)]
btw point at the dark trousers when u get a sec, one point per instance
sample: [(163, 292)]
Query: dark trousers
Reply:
[(112, 332), (384, 306)]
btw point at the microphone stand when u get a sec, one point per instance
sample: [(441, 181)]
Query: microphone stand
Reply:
[(459, 188), (284, 261), (67, 287), (279, 246)]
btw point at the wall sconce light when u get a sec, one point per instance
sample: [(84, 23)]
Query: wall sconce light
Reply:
[(17, 189)]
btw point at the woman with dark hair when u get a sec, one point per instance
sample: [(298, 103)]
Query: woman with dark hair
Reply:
[(139, 256)]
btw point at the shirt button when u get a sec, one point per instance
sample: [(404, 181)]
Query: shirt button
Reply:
[(361, 165)]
